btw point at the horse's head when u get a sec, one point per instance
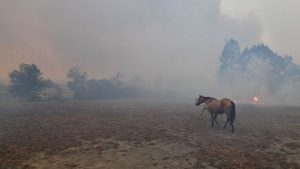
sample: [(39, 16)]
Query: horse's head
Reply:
[(200, 100)]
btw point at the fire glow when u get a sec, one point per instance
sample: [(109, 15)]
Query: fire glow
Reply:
[(255, 99)]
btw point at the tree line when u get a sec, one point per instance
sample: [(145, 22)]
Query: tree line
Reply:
[(27, 83)]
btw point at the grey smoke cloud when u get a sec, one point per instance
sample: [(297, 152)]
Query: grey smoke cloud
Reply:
[(178, 40), (130, 36)]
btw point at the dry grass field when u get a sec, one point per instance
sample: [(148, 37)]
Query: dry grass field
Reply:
[(145, 135)]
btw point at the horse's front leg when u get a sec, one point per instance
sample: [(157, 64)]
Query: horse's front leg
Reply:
[(202, 111), (215, 119)]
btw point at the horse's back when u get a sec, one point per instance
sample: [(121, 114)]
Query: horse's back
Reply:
[(215, 106), (220, 106), (226, 104), (226, 101)]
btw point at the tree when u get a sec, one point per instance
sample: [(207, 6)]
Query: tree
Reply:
[(26, 83), (78, 82), (229, 56), (259, 66)]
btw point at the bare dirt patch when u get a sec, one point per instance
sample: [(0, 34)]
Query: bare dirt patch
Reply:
[(130, 134)]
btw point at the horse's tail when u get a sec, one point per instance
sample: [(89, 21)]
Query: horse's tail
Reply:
[(232, 112)]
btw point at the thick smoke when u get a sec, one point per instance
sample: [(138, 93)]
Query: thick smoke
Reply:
[(173, 38), (258, 71), (168, 46)]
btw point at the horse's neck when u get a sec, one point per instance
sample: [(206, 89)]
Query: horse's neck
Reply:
[(209, 100)]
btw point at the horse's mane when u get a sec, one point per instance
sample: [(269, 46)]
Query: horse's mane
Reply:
[(209, 98)]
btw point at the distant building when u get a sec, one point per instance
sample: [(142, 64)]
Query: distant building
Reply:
[(50, 94)]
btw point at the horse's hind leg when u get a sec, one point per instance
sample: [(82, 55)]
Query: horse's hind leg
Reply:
[(232, 126), (227, 121)]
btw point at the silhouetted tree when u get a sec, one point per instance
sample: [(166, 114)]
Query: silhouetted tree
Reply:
[(229, 56), (257, 61), (117, 79), (113, 88), (78, 83), (26, 83)]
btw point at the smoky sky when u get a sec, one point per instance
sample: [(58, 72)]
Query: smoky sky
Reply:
[(174, 38)]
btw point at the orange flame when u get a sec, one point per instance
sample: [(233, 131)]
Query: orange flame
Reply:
[(255, 99)]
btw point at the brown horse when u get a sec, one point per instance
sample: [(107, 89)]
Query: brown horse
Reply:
[(215, 107)]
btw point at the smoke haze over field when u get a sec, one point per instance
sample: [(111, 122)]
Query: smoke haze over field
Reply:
[(170, 44)]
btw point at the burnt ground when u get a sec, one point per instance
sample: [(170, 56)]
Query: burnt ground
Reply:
[(137, 134)]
